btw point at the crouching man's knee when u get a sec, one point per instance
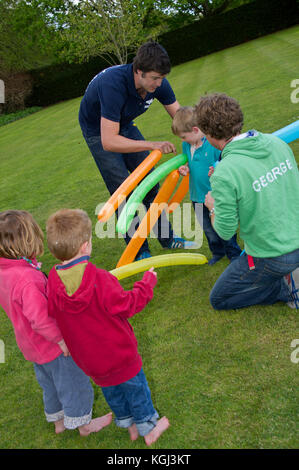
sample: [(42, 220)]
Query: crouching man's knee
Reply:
[(217, 302)]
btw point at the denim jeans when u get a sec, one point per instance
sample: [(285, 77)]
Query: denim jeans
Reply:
[(217, 245), (115, 168), (131, 403), (67, 392), (238, 286)]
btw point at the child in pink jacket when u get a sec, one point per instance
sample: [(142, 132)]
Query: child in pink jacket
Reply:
[(67, 391)]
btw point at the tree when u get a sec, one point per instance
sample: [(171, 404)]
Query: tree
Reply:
[(183, 12), (28, 33), (35, 33), (110, 29), (199, 9)]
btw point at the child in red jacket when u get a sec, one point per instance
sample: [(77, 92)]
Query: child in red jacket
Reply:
[(67, 391), (92, 310)]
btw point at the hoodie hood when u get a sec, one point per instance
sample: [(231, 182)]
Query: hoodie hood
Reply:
[(253, 144), (81, 298), (256, 188)]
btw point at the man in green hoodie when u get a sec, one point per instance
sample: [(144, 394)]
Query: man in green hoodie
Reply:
[(254, 187)]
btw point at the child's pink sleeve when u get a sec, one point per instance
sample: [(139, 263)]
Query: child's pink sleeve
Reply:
[(35, 309)]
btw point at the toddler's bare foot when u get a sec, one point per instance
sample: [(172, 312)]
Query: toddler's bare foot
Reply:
[(59, 426), (95, 424), (133, 431), (155, 433)]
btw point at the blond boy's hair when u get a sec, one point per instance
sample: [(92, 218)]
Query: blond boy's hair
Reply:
[(20, 235), (184, 120), (67, 230)]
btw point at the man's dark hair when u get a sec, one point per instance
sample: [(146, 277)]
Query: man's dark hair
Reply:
[(151, 56)]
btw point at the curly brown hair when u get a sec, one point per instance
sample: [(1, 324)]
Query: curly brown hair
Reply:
[(219, 116)]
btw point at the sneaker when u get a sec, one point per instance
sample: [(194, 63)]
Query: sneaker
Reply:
[(292, 281), (177, 243), (143, 255), (214, 260)]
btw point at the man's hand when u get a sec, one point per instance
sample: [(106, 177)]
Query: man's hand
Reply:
[(112, 141), (164, 147)]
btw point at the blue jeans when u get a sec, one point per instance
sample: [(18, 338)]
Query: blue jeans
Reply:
[(131, 403), (217, 245), (116, 167), (238, 286), (67, 392)]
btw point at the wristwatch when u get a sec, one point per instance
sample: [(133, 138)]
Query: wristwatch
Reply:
[(212, 211)]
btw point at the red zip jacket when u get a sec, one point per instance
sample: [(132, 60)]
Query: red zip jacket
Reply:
[(94, 324)]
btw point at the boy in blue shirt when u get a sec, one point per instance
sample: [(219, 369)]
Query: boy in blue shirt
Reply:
[(202, 158)]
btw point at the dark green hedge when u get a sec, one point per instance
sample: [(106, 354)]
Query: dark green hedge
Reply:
[(234, 27), (62, 82), (66, 81)]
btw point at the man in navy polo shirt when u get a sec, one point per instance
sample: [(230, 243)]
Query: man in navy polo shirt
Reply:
[(115, 97)]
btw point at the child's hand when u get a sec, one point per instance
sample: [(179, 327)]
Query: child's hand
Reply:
[(211, 170), (152, 270), (209, 201), (64, 348), (184, 170)]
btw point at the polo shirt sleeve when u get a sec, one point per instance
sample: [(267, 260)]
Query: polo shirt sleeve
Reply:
[(164, 93), (185, 148), (112, 96)]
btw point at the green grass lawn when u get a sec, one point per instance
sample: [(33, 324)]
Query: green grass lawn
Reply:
[(224, 379)]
